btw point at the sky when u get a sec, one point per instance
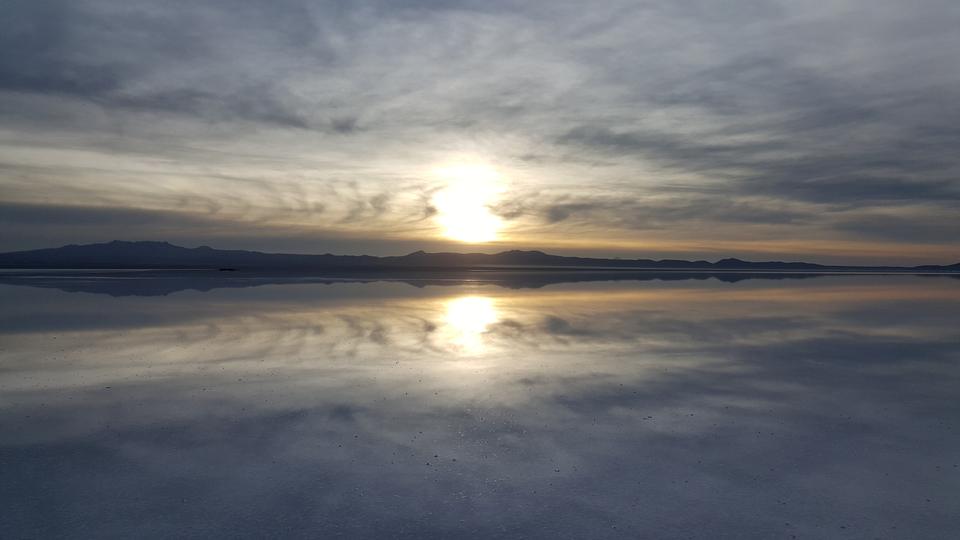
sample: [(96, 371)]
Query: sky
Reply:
[(822, 131)]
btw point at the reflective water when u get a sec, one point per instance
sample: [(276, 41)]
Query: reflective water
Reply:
[(814, 408)]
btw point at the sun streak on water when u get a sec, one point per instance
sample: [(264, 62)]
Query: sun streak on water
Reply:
[(467, 320)]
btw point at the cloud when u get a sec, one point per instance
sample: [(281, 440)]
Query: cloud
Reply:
[(632, 116), (905, 228), (55, 225), (664, 210)]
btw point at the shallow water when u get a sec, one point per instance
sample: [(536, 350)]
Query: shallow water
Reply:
[(814, 408)]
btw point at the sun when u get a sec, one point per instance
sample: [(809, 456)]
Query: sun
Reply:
[(463, 205)]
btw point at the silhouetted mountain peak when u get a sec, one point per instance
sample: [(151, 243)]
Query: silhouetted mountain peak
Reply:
[(524, 252), (138, 243)]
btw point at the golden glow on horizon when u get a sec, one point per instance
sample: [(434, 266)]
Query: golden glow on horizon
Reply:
[(467, 320), (463, 205)]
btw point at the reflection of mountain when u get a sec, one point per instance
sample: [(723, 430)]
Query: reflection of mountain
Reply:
[(119, 254), (164, 282)]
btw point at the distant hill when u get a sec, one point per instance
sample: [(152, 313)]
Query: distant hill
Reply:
[(121, 254)]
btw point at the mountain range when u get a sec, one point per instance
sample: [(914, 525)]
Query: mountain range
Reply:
[(151, 254)]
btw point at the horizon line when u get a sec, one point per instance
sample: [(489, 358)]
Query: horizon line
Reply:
[(421, 251)]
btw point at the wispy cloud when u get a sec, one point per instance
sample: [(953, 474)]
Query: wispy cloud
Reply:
[(798, 120)]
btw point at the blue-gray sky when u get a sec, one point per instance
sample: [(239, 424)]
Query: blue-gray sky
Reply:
[(824, 131)]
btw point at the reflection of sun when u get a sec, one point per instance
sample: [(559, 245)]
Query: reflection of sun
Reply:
[(467, 319), (463, 205)]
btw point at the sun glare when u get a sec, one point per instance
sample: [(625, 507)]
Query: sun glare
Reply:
[(468, 318), (463, 205)]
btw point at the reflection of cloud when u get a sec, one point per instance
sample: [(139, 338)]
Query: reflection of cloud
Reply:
[(467, 320), (816, 403)]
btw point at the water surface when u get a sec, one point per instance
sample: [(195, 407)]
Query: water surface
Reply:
[(759, 408)]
